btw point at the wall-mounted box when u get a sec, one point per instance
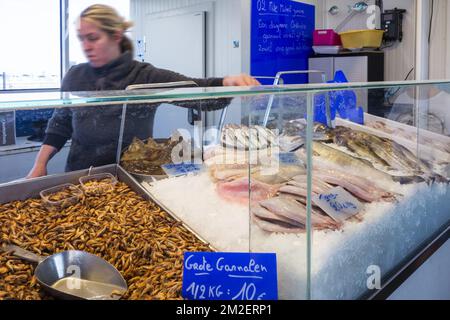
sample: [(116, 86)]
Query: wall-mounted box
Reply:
[(7, 128)]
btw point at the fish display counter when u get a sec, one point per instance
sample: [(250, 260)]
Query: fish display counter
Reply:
[(344, 198), (353, 201)]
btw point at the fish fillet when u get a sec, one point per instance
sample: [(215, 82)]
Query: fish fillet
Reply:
[(239, 191)]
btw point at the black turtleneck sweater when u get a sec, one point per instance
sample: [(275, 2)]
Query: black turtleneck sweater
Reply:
[(95, 130)]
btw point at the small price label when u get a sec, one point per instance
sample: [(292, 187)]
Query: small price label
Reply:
[(180, 169), (229, 276), (338, 204), (289, 158)]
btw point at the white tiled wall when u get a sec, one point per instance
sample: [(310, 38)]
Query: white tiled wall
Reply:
[(400, 58), (440, 41), (359, 21)]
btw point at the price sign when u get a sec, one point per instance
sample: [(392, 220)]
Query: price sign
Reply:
[(338, 203), (180, 169), (289, 158), (230, 276)]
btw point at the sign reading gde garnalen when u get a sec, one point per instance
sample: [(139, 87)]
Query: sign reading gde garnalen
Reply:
[(230, 276)]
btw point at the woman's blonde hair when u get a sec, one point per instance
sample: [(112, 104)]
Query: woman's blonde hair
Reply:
[(108, 20)]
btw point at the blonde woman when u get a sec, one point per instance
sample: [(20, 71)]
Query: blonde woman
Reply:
[(94, 131)]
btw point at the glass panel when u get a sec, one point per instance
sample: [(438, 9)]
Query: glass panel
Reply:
[(95, 136), (364, 190), (31, 60), (86, 136), (187, 132), (386, 186), (278, 188), (56, 99)]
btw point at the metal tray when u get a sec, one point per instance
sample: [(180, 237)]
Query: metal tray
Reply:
[(25, 189)]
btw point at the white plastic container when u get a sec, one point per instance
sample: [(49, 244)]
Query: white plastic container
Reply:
[(98, 184), (62, 196), (327, 49)]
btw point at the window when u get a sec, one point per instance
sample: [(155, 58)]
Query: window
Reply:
[(76, 54), (30, 55)]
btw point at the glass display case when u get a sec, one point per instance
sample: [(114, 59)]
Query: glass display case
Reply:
[(345, 199)]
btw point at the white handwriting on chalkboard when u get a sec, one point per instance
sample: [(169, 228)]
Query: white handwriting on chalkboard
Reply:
[(273, 7), (204, 292), (204, 266), (262, 24), (244, 277), (285, 8), (221, 265), (248, 292), (297, 25), (285, 38), (261, 5), (267, 37), (252, 267), (288, 50), (278, 26), (268, 48), (299, 12)]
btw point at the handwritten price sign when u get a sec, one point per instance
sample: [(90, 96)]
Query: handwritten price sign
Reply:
[(181, 169), (338, 203), (229, 276)]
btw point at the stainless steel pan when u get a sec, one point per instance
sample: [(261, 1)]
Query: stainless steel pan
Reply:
[(74, 274)]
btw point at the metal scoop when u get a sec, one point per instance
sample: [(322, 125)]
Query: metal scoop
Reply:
[(358, 7), (74, 274)]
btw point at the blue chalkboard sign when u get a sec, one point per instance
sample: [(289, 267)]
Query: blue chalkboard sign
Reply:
[(281, 38), (230, 276)]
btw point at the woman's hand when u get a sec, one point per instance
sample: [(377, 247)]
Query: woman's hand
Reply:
[(240, 80), (37, 171), (40, 164)]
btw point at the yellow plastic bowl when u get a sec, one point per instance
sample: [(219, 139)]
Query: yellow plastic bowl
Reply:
[(355, 39)]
